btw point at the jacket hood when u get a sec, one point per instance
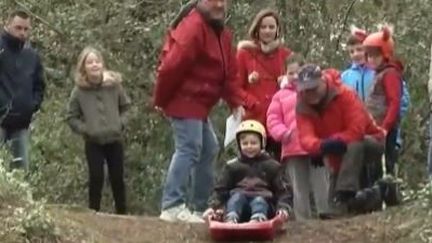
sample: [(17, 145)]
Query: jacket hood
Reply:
[(262, 156), (396, 64), (109, 79)]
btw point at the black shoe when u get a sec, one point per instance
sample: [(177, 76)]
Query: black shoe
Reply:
[(343, 197), (390, 192)]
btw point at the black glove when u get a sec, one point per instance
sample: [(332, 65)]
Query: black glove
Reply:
[(333, 147), (317, 161)]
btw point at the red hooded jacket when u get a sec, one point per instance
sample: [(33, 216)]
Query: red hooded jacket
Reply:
[(342, 116), (270, 66), (197, 68)]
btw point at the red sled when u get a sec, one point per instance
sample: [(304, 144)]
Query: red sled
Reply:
[(260, 231)]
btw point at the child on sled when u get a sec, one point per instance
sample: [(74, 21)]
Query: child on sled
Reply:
[(251, 184)]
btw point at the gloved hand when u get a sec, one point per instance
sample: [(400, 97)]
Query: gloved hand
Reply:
[(317, 161), (333, 147), (283, 213)]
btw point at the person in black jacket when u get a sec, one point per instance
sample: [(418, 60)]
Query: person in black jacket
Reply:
[(254, 181), (21, 86)]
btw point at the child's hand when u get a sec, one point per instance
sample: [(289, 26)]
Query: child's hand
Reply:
[(287, 136), (209, 213), (283, 213)]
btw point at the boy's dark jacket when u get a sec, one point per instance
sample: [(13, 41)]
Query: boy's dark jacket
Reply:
[(259, 176)]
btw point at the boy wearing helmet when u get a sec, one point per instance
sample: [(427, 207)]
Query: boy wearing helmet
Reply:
[(252, 182), (384, 100)]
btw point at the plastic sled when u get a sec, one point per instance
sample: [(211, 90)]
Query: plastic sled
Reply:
[(261, 231)]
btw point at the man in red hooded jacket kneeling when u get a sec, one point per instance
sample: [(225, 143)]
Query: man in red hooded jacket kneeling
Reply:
[(337, 131)]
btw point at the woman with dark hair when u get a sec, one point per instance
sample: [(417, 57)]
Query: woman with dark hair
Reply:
[(260, 61)]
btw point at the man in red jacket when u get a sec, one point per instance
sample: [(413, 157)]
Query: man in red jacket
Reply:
[(334, 127), (197, 68)]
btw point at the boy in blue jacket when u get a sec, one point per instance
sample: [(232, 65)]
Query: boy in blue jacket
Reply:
[(359, 76)]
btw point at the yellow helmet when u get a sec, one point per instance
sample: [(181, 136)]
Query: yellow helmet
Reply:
[(254, 127)]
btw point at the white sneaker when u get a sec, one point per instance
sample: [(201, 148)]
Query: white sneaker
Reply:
[(179, 214), (196, 217)]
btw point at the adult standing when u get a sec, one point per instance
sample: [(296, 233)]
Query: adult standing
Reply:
[(21, 85), (261, 64), (197, 68)]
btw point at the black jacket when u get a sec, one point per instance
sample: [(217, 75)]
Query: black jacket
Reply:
[(21, 82), (260, 176)]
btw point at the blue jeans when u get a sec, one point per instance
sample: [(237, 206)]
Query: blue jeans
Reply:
[(196, 147), (19, 145), (238, 201)]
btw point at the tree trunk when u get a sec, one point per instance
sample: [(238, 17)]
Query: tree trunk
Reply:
[(430, 79)]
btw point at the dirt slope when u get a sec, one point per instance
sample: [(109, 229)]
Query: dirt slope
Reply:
[(392, 226)]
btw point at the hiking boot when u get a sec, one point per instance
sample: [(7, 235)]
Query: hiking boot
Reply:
[(232, 218), (258, 217), (390, 191), (179, 213), (366, 201)]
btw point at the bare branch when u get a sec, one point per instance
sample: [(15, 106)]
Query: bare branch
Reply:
[(344, 23), (42, 20)]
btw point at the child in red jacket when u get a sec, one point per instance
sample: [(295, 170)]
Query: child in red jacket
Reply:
[(384, 99)]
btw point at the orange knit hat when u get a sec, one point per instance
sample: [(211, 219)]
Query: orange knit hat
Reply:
[(383, 40)]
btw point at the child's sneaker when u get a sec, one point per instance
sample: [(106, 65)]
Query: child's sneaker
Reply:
[(231, 218), (258, 217), (179, 213)]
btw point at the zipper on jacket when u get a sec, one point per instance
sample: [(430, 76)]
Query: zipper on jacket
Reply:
[(223, 57), (362, 85)]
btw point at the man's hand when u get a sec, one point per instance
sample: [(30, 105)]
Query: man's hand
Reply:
[(317, 161), (333, 147), (160, 111)]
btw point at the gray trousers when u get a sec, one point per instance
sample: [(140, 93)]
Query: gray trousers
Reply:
[(305, 179), (357, 156)]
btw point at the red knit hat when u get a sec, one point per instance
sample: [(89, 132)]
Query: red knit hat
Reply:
[(383, 40)]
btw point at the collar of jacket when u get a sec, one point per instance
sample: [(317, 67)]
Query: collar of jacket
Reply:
[(262, 156), (12, 42), (217, 25), (303, 108), (264, 48), (357, 66), (109, 79)]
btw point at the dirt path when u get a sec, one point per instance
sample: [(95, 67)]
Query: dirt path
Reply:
[(379, 227)]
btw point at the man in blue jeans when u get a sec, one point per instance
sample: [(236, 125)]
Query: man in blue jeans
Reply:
[(21, 86), (197, 69)]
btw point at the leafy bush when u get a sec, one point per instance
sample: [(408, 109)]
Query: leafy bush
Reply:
[(29, 219)]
